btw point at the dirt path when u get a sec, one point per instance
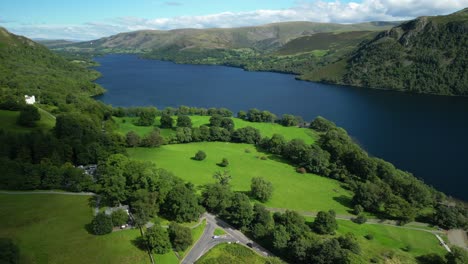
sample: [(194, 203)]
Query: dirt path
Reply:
[(458, 237)]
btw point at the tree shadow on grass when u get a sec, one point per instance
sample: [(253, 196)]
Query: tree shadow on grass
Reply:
[(89, 228), (345, 201), (139, 243)]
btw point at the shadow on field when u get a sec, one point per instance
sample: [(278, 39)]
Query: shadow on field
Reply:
[(343, 200)]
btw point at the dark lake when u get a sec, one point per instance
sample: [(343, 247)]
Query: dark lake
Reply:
[(426, 135)]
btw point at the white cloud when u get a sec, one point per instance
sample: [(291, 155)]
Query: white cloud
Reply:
[(317, 11)]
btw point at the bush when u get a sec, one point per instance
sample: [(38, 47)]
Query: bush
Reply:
[(200, 155), (119, 217), (369, 237), (224, 163), (358, 209), (180, 236), (301, 170), (247, 151), (261, 189), (9, 252), (360, 219), (101, 224)]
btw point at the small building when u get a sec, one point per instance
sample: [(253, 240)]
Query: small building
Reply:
[(30, 99)]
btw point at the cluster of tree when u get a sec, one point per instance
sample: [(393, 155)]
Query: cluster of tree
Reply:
[(153, 139), (255, 115), (456, 256), (378, 186), (181, 110), (9, 252), (149, 191), (103, 223), (158, 240), (287, 234)]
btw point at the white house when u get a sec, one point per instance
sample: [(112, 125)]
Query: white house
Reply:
[(30, 99)]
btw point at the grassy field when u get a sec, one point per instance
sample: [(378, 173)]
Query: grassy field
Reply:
[(50, 228), (388, 239), (305, 192), (8, 121), (126, 124), (231, 253)]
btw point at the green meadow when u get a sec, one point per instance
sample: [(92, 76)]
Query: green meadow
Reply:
[(50, 228), (8, 122), (399, 242), (304, 192), (126, 124)]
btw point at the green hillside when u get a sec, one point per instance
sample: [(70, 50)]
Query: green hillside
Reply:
[(27, 67), (425, 55), (264, 37)]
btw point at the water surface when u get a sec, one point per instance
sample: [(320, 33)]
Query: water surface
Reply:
[(426, 135)]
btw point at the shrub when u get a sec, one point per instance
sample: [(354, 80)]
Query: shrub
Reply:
[(200, 155), (263, 157), (360, 219), (119, 217), (369, 237), (358, 209), (101, 224), (301, 170), (224, 163), (248, 151)]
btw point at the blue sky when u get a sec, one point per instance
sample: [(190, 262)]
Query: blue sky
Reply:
[(87, 19)]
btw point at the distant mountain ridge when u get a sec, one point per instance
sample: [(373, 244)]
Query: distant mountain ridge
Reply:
[(265, 37)]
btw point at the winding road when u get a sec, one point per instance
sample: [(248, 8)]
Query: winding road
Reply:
[(208, 240)]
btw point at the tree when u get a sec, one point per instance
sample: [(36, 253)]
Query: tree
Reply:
[(247, 135), (184, 121), (157, 240), (262, 223), (457, 256), (281, 238), (240, 213), (215, 120), (223, 178), (328, 252), (101, 224), (146, 116), (153, 139), (184, 135), (321, 124), (28, 116), (349, 242), (113, 182), (261, 189), (119, 217), (200, 155), (224, 162), (180, 236), (9, 252), (227, 124), (242, 115), (216, 198), (360, 219), (166, 121), (181, 204), (358, 209), (289, 120), (325, 223), (132, 139)]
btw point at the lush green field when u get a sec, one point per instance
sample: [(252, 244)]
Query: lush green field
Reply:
[(306, 192), (389, 240), (8, 121), (126, 124), (50, 228), (231, 253)]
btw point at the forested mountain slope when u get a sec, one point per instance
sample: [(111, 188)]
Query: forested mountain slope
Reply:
[(425, 55), (27, 67)]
